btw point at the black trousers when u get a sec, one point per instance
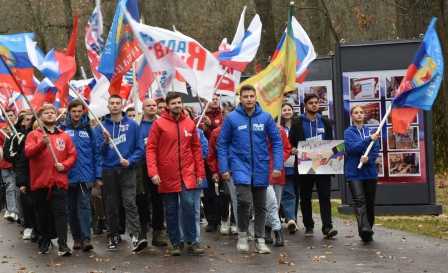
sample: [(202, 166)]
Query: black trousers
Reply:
[(212, 203), (323, 186), (51, 208), (363, 195), (150, 207), (28, 210)]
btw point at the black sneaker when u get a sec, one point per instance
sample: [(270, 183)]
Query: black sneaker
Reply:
[(64, 251), (175, 250), (195, 249), (44, 246), (113, 244), (309, 232), (330, 233), (211, 228), (87, 245), (138, 244)]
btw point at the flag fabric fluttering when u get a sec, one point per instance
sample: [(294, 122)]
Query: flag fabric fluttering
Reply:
[(13, 52), (279, 77), (167, 50), (228, 78), (144, 77), (304, 49), (121, 48), (244, 46), (93, 39), (421, 84)]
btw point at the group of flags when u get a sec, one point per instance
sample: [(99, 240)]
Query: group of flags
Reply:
[(138, 61)]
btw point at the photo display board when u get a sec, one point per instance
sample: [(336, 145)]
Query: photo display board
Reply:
[(402, 157), (368, 74)]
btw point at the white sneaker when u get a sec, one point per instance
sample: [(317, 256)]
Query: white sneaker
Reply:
[(233, 229), (6, 216), (261, 247), (242, 245), (224, 228), (15, 217), (27, 234)]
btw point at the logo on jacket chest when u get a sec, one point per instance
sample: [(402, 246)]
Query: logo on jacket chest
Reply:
[(187, 134), (258, 127), (60, 144)]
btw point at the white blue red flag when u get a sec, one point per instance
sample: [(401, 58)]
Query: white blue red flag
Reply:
[(94, 40), (304, 49), (244, 45)]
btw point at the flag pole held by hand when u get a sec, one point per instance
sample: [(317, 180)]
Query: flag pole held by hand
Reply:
[(114, 146), (366, 153)]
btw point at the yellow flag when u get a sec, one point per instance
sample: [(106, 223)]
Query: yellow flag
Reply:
[(279, 77)]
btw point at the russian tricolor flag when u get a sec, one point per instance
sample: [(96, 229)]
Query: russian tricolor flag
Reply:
[(304, 49), (244, 45)]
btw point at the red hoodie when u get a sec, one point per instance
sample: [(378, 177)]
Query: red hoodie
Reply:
[(173, 152), (212, 158), (43, 174), (286, 153)]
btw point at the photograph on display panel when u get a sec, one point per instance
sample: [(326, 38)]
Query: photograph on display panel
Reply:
[(380, 165), (408, 141), (367, 88), (372, 111), (392, 84), (404, 163), (323, 89)]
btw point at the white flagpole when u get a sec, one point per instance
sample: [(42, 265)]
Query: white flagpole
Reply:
[(114, 146), (366, 153), (214, 92)]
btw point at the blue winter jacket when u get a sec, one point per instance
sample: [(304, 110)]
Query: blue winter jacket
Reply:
[(243, 146), (356, 142), (145, 127), (126, 135), (88, 161)]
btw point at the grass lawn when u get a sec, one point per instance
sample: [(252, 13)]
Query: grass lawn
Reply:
[(434, 226)]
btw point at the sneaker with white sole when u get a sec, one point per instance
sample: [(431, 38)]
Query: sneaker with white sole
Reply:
[(233, 229), (27, 233), (224, 229), (6, 215), (261, 247), (242, 245), (291, 226)]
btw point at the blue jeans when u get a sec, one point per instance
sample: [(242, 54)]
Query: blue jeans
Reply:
[(186, 202), (290, 197), (12, 192), (79, 211)]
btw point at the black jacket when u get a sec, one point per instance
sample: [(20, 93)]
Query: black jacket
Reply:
[(14, 152), (297, 134)]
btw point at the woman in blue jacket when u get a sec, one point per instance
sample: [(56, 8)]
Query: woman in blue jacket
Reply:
[(362, 182)]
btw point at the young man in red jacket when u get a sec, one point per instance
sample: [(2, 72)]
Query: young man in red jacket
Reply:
[(175, 164), (49, 180)]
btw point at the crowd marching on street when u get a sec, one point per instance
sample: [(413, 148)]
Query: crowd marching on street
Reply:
[(159, 177)]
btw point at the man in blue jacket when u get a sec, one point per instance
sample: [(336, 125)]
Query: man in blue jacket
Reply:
[(119, 175), (243, 153), (148, 194), (87, 170)]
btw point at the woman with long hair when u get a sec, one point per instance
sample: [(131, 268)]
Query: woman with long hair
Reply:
[(362, 182)]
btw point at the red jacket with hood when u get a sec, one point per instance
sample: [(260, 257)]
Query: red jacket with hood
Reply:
[(286, 153), (212, 158), (173, 152), (43, 174)]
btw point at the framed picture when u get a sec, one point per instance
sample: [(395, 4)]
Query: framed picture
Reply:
[(380, 165), (392, 84), (404, 164), (408, 141), (365, 88), (372, 112)]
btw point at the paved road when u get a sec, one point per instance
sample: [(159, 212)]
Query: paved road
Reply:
[(393, 251)]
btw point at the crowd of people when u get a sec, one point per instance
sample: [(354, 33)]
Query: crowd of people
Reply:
[(167, 175)]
